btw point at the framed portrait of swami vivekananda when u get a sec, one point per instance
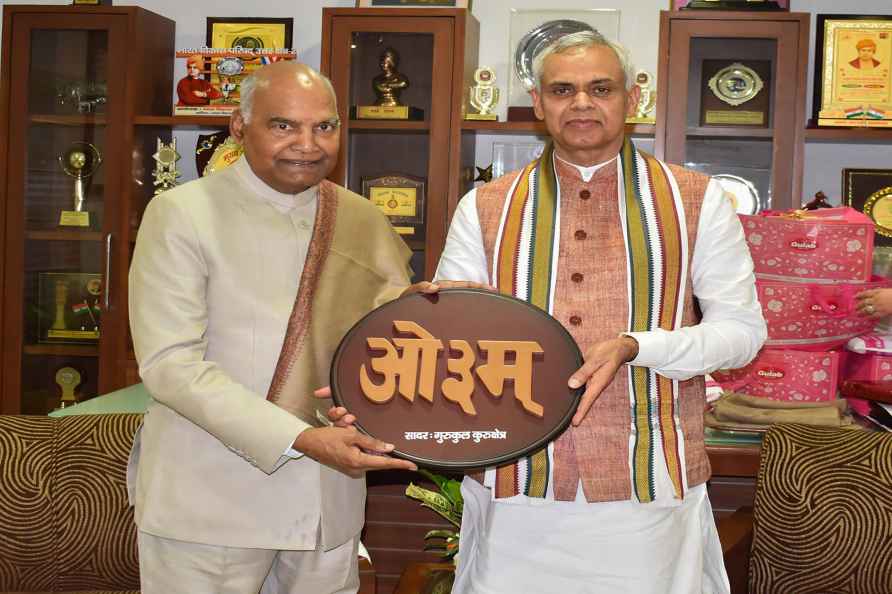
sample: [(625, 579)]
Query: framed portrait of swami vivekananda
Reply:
[(853, 71)]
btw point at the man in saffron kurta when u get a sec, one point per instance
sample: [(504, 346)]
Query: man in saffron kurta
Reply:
[(623, 250), (241, 285)]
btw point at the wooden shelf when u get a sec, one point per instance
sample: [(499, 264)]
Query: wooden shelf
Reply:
[(80, 119), (63, 235), (181, 120), (733, 460), (537, 128), (729, 132), (63, 350), (504, 127), (848, 134), (396, 125)]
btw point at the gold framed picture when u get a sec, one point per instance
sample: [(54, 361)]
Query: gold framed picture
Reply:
[(401, 198), (249, 33), (853, 71), (870, 191), (413, 4)]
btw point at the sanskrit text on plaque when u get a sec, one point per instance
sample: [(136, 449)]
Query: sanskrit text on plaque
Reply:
[(399, 366)]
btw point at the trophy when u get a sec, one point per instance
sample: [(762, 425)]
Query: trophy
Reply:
[(388, 85), (647, 100), (80, 161), (68, 378), (165, 174), (484, 95), (69, 306)]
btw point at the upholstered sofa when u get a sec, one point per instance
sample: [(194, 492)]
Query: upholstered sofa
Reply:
[(822, 517), (65, 522)]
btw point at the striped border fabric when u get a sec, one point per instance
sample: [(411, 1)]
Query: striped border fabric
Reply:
[(657, 256)]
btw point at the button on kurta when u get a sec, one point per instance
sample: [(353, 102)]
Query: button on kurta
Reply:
[(576, 277), (580, 234), (575, 320), (585, 194)]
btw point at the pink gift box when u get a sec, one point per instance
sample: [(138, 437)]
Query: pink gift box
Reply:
[(813, 316), (829, 245), (786, 374), (872, 368)]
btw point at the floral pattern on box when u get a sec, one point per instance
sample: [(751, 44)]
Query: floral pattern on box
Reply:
[(871, 368), (831, 245), (786, 374), (813, 316)]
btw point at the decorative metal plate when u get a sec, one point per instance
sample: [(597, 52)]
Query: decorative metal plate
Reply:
[(744, 195), (736, 84), (538, 39), (230, 66)]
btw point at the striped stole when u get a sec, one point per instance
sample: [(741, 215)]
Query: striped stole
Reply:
[(525, 265)]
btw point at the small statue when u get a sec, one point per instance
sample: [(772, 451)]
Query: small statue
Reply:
[(648, 98), (390, 83), (820, 201)]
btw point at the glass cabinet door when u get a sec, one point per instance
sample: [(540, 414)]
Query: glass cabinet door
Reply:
[(61, 211), (733, 103), (387, 72)]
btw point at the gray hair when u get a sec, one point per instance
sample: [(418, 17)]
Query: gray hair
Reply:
[(583, 39), (250, 83)]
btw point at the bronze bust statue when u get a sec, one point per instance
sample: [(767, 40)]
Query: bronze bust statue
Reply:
[(390, 83)]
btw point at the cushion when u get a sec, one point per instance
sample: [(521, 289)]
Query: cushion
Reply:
[(65, 524), (823, 512)]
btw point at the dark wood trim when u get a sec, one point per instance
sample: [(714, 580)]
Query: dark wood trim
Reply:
[(880, 135), (182, 121), (734, 460)]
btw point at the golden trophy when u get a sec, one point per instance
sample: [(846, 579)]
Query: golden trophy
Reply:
[(68, 378), (80, 161), (647, 100), (484, 96), (165, 174), (388, 85)]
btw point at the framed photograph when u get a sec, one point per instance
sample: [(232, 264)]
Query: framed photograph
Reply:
[(401, 198), (853, 71), (870, 191), (69, 306), (413, 4), (249, 33)]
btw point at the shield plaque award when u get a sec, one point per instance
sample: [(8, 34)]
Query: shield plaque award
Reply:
[(461, 379)]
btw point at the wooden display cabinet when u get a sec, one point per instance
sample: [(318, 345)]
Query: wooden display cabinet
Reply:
[(73, 80), (438, 55), (761, 140)]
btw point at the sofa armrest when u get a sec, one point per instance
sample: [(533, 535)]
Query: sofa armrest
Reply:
[(736, 536)]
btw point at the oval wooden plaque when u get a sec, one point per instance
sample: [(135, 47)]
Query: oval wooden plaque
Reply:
[(461, 379)]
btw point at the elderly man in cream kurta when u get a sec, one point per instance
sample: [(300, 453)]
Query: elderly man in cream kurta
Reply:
[(241, 286)]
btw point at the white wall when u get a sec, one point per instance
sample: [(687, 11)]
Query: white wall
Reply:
[(639, 29)]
